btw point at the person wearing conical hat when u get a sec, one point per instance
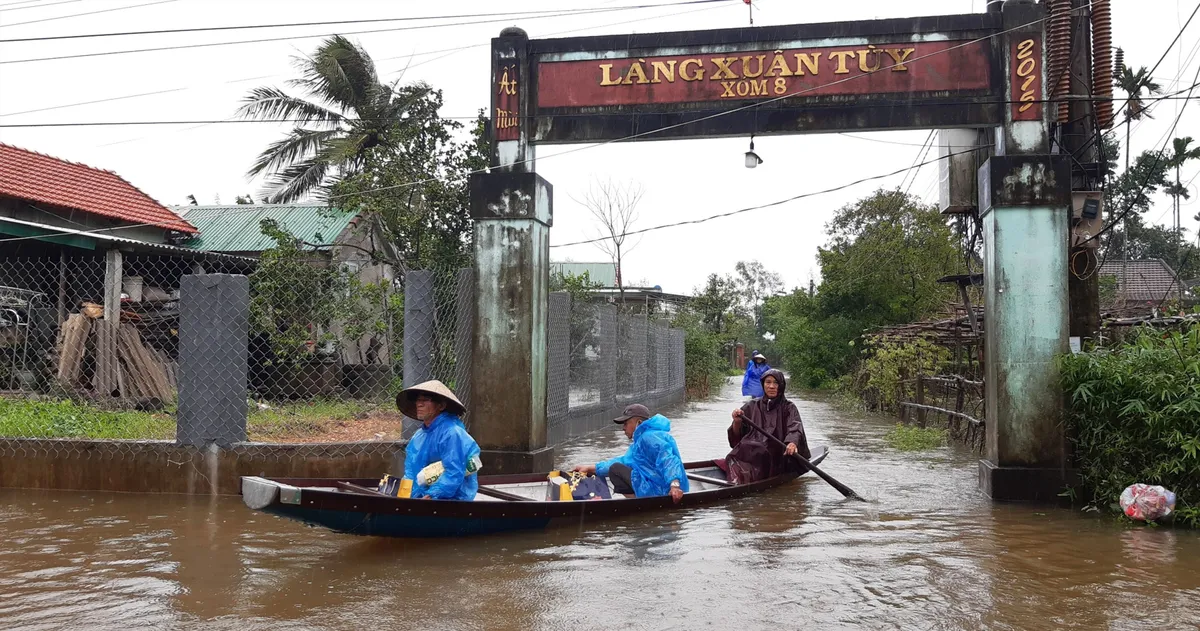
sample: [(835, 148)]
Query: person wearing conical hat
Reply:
[(752, 381), (443, 439)]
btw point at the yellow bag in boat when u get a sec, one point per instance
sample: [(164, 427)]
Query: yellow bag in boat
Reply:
[(560, 488)]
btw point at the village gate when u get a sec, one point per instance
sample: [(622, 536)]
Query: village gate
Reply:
[(984, 72)]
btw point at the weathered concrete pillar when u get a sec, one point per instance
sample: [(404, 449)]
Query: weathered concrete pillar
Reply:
[(1024, 197), (420, 333), (512, 213), (214, 316)]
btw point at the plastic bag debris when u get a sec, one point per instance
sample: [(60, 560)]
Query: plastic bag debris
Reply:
[(1147, 503)]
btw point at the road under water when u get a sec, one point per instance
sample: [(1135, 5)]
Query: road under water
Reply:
[(928, 552)]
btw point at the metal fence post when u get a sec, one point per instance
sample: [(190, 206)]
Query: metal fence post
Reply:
[(214, 312), (464, 337), (608, 354), (558, 389)]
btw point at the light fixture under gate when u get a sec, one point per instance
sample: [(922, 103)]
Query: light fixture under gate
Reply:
[(752, 159)]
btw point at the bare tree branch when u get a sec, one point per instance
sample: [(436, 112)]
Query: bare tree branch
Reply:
[(614, 207)]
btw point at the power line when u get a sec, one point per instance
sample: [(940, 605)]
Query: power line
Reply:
[(724, 112), (256, 208), (9, 4), (1098, 138), (448, 51), (40, 6), (560, 13), (767, 205), (1157, 159), (76, 15), (409, 56), (332, 22), (538, 116)]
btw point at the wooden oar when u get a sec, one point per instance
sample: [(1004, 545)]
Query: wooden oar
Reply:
[(842, 488), (707, 480)]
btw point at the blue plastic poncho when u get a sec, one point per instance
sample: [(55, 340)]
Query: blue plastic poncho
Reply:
[(653, 457), (752, 382), (445, 439)]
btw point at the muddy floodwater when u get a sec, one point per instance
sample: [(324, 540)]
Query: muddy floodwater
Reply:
[(928, 552)]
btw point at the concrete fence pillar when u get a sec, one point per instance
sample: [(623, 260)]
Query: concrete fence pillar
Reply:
[(214, 326), (420, 333)]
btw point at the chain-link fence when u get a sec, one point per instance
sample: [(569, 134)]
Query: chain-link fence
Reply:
[(113, 346), (613, 358), (290, 348)]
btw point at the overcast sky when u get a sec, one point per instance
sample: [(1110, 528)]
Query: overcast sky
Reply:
[(682, 179)]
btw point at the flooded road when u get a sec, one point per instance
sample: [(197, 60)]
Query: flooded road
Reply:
[(928, 552)]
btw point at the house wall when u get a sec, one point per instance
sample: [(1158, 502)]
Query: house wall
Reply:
[(77, 220)]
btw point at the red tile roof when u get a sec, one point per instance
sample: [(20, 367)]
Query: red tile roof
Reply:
[(42, 179)]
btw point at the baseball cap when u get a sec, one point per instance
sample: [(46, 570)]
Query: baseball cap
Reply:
[(632, 410)]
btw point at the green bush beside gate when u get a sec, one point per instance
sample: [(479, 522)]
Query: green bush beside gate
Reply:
[(1134, 412)]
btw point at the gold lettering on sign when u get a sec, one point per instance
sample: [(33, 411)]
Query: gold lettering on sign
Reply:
[(898, 55), (663, 69), (779, 66), (695, 75), (723, 69), (863, 65), (807, 60), (505, 119), (763, 74), (840, 56), (636, 70), (746, 66), (606, 75), (1026, 71), (508, 86)]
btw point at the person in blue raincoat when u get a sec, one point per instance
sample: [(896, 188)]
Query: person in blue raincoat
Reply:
[(442, 438), (652, 464), (752, 382)]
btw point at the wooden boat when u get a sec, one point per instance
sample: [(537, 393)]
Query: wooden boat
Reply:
[(504, 503)]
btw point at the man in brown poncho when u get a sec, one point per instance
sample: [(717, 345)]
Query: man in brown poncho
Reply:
[(754, 456)]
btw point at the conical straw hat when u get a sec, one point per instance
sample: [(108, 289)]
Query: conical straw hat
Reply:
[(408, 406)]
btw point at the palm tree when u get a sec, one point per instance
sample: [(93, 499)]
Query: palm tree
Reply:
[(1181, 153), (347, 113), (1132, 83)]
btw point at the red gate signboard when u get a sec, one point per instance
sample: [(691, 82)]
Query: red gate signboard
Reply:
[(922, 67), (506, 118), (904, 73), (1026, 67)]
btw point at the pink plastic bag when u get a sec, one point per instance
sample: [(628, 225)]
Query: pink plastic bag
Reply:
[(1147, 503)]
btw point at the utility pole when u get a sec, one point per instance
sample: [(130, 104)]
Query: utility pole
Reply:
[(1075, 137)]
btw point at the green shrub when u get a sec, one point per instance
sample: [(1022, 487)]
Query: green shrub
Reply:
[(1135, 417), (913, 438)]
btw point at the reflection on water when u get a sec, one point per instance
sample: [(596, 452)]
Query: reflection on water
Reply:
[(928, 552)]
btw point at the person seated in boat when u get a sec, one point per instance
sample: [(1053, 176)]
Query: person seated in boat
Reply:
[(442, 438), (754, 456), (752, 380), (652, 464)]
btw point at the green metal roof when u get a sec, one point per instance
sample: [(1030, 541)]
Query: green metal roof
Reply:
[(236, 228)]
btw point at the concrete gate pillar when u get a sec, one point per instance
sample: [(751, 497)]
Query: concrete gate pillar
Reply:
[(512, 209), (509, 370), (1024, 205)]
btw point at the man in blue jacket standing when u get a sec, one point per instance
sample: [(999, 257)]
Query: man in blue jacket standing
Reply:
[(752, 382), (652, 464)]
